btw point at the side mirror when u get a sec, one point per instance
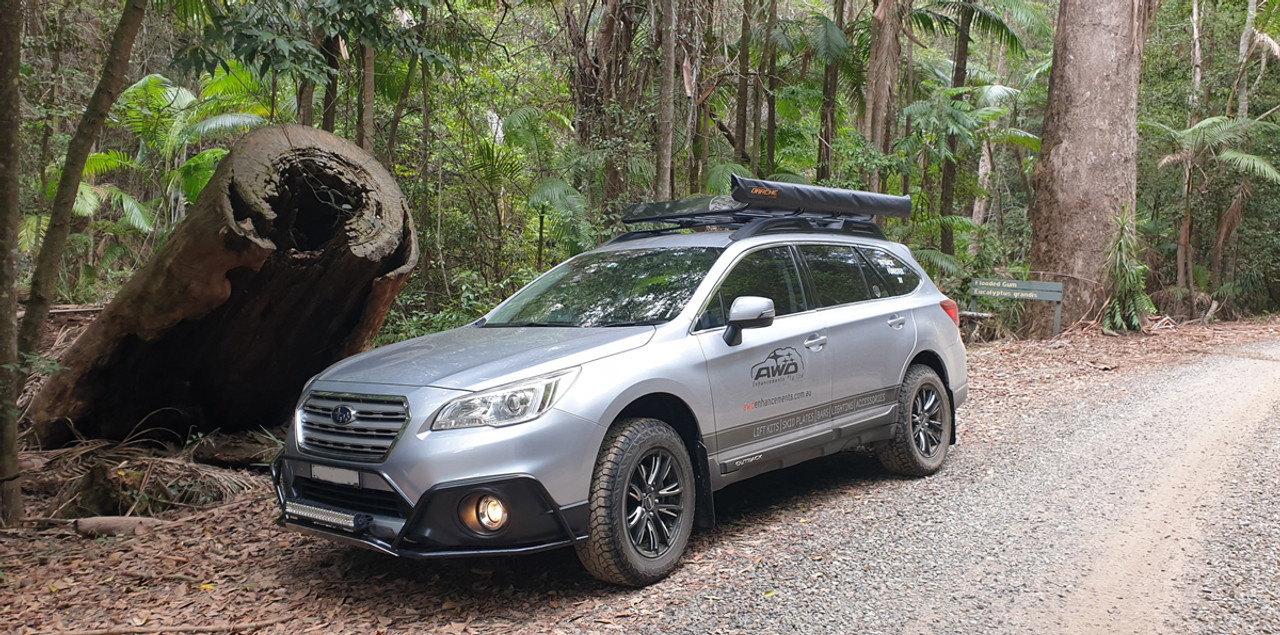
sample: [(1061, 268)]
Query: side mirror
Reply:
[(747, 312)]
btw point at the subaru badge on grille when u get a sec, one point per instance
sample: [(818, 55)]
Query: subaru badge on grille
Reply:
[(342, 415)]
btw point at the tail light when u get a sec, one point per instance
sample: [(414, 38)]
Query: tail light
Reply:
[(952, 309)]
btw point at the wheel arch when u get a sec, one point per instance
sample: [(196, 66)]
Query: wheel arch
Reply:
[(934, 361), (673, 411)]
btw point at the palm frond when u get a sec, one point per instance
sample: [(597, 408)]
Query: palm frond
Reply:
[(134, 214), (1250, 164), (100, 163), (1015, 137), (937, 262), (827, 40), (31, 231), (88, 200), (195, 173), (229, 123), (718, 176), (790, 177), (993, 25)]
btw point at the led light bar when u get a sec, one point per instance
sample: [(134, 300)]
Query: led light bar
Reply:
[(327, 517)]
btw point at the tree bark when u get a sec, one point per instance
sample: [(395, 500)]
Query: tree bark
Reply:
[(393, 131), (1087, 170), (827, 113), (744, 72), (45, 274), (771, 94), (364, 124), (666, 102), (1247, 36), (306, 102), (10, 215), (329, 116), (882, 78), (1185, 261), (947, 186), (287, 263)]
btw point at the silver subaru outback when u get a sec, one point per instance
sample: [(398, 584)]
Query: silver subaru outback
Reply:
[(601, 406)]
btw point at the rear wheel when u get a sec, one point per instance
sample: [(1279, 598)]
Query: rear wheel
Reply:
[(923, 434), (641, 504)]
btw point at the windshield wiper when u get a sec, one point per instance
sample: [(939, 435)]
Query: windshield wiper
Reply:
[(654, 322)]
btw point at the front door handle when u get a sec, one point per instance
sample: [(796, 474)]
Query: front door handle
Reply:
[(897, 321), (815, 342)]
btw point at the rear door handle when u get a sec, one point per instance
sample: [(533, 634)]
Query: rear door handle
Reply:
[(815, 342), (897, 321)]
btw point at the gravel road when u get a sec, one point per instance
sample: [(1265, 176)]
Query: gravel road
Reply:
[(1134, 501)]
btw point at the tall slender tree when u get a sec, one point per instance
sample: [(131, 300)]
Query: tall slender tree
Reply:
[(110, 81), (833, 55), (1087, 173), (882, 77), (666, 101), (744, 79), (10, 214)]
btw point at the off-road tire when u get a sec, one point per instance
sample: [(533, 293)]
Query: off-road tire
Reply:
[(923, 402), (609, 551)]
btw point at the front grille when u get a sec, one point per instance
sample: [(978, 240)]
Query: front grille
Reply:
[(367, 437), (356, 499)]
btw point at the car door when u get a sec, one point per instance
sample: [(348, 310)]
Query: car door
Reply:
[(870, 333), (770, 391)]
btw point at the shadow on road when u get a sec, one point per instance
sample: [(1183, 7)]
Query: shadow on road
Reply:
[(546, 585)]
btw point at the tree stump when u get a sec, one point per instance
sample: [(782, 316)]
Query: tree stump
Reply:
[(287, 262)]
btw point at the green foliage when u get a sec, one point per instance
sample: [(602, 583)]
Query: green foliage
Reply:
[(1127, 277)]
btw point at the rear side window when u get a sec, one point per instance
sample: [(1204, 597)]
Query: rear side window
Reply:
[(838, 274), (768, 273), (896, 276)]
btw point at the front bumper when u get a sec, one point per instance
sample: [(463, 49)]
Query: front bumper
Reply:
[(432, 527)]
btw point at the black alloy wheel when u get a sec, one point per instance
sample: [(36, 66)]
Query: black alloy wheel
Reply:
[(655, 503)]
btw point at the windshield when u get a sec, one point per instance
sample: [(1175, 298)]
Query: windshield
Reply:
[(610, 288)]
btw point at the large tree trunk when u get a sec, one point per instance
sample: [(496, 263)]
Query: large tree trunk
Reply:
[(882, 78), (10, 214), (960, 72), (666, 102), (45, 275), (1087, 170), (287, 263)]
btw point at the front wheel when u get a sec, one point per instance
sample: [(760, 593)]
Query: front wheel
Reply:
[(641, 504), (919, 445)]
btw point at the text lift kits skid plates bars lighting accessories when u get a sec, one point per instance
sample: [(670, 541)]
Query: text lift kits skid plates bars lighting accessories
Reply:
[(757, 207)]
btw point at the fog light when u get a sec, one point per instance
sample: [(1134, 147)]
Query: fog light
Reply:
[(491, 513)]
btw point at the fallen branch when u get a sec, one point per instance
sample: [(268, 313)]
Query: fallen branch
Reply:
[(223, 628), (116, 525)]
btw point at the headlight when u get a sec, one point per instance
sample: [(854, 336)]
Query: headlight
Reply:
[(506, 405)]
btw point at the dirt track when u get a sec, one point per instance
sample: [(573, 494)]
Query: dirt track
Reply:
[(1101, 485)]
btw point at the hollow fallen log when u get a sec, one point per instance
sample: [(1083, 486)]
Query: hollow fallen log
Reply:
[(287, 262)]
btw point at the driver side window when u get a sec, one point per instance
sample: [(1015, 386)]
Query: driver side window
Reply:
[(768, 273)]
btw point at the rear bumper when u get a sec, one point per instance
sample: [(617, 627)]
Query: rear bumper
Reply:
[(432, 527)]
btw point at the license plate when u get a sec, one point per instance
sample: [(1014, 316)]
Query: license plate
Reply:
[(337, 475)]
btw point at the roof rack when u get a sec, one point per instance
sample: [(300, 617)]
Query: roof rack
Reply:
[(758, 207)]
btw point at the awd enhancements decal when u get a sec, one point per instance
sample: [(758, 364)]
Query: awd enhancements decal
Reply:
[(782, 364), (797, 420)]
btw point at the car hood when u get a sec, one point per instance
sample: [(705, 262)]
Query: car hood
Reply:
[(474, 358)]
